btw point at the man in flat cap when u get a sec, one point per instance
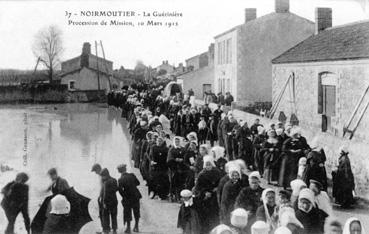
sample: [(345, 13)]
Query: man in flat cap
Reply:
[(127, 187)]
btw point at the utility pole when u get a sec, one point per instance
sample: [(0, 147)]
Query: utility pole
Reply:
[(97, 65), (106, 67)]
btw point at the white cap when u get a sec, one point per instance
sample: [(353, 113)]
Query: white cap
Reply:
[(186, 193), (344, 149), (282, 230), (239, 218), (259, 227), (308, 195), (255, 174), (60, 205)]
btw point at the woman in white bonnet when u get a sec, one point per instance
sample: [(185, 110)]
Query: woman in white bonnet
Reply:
[(230, 192), (205, 189), (343, 180)]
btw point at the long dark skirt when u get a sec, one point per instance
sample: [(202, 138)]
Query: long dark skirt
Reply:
[(159, 183)]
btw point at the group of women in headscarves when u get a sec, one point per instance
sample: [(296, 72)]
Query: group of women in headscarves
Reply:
[(220, 187)]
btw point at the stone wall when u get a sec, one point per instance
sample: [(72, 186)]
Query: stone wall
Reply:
[(42, 93), (353, 78), (194, 80), (86, 79)]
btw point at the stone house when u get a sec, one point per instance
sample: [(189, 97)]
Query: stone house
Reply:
[(199, 75), (331, 74), (87, 72), (243, 54), (329, 80)]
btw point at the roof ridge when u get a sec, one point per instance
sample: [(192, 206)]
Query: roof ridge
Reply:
[(348, 24)]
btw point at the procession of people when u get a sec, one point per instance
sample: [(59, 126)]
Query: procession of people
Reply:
[(228, 175)]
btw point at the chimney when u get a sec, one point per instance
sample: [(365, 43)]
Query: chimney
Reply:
[(86, 51), (250, 14), (282, 6), (86, 48), (323, 19)]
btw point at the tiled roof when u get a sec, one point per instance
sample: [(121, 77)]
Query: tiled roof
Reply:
[(338, 43)]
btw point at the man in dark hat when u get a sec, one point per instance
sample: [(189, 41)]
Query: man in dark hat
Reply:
[(59, 185), (109, 201), (127, 186)]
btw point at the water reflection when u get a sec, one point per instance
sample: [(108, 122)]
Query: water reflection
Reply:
[(71, 137)]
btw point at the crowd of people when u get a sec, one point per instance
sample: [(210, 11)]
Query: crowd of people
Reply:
[(229, 177), (214, 164)]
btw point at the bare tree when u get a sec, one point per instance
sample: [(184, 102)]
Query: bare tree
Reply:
[(48, 47)]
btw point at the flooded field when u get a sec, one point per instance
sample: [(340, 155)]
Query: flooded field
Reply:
[(70, 137)]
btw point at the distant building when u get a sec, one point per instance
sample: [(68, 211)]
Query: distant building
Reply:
[(165, 69), (87, 72), (330, 75), (199, 75), (243, 54)]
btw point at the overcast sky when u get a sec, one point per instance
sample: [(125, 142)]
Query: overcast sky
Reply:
[(201, 21)]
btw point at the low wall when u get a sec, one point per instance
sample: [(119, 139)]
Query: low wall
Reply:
[(46, 93), (41, 93), (359, 150)]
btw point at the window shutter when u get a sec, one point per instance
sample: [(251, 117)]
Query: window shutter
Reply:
[(320, 95)]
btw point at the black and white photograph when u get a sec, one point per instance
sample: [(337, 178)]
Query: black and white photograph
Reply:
[(184, 116)]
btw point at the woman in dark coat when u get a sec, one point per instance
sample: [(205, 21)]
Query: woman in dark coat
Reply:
[(178, 169), (271, 149), (315, 169), (293, 149), (250, 198), (212, 135), (189, 216), (311, 217), (258, 144), (15, 201), (158, 169), (343, 180), (143, 155), (230, 192), (138, 136), (205, 191)]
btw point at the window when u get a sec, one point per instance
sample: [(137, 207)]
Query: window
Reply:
[(224, 52), (229, 51), (72, 84), (219, 52)]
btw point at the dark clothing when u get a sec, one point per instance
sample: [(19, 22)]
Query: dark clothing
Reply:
[(271, 152), (315, 169), (110, 203), (244, 146), (127, 185), (189, 218), (109, 216), (249, 200), (258, 144), (313, 221), (343, 182), (229, 195), (228, 100), (59, 186), (290, 159), (207, 182), (57, 224), (15, 201)]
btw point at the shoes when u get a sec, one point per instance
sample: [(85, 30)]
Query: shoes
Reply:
[(135, 229)]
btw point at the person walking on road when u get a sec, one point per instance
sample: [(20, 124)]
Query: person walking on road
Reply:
[(109, 201), (15, 201), (127, 187)]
